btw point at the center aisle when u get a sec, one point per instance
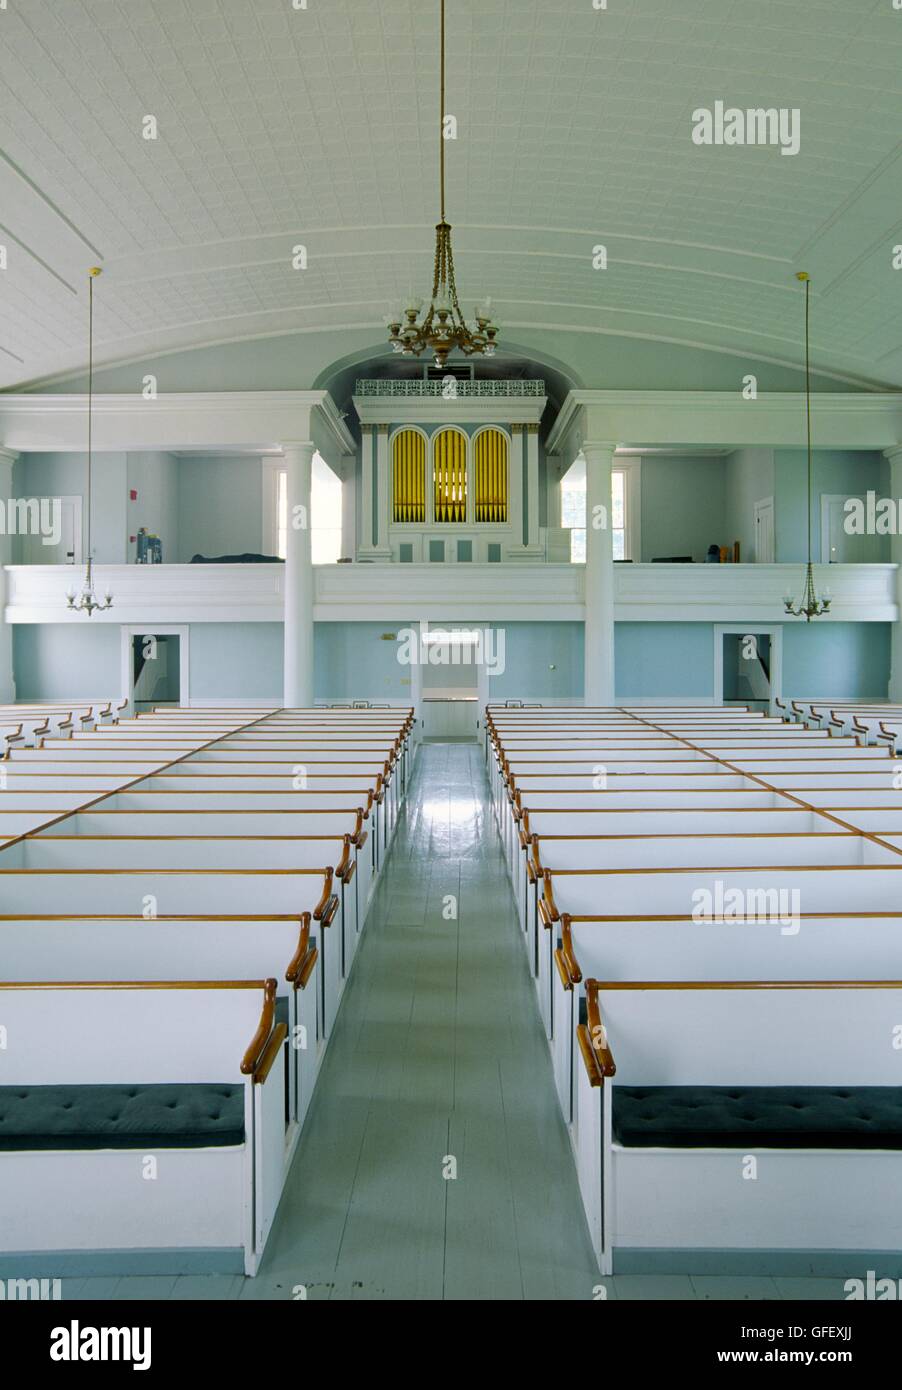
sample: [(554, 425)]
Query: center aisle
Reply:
[(438, 1057)]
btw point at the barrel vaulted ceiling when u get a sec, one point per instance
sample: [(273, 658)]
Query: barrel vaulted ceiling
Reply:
[(316, 126)]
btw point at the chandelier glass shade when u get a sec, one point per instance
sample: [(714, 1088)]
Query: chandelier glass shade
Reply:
[(442, 329), (85, 600), (809, 606)]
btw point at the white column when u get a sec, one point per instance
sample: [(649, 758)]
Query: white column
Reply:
[(299, 588), (895, 553), (599, 632), (383, 500), (367, 459), (516, 487), (7, 690), (532, 483)]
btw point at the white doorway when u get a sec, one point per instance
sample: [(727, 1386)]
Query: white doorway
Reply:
[(155, 666), (837, 546), (748, 665), (764, 531)]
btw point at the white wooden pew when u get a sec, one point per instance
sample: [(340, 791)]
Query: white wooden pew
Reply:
[(190, 892), (80, 1173), (65, 949), (790, 1164)]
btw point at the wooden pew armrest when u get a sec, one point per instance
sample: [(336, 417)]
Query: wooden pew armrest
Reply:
[(259, 1042), (324, 900), (270, 1053), (328, 916), (598, 1038)]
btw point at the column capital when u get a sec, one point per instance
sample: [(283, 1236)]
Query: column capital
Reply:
[(893, 453), (598, 446), (8, 455)]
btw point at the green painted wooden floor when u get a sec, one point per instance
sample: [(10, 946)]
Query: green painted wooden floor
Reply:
[(438, 1051)]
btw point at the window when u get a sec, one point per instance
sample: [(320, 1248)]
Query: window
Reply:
[(624, 516), (325, 511)]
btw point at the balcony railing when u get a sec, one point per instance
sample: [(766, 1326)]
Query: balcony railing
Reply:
[(522, 592), (416, 386)]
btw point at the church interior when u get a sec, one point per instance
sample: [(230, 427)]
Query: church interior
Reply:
[(450, 650)]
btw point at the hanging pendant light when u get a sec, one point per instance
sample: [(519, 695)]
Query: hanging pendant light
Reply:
[(443, 328), (809, 605), (87, 601)]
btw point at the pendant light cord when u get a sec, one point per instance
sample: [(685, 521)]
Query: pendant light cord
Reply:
[(441, 116), (90, 395), (808, 411)]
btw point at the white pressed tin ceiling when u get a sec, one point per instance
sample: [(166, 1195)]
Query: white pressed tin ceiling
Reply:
[(280, 126)]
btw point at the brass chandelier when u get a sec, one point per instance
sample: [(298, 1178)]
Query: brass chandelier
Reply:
[(443, 327), (87, 601), (809, 606)]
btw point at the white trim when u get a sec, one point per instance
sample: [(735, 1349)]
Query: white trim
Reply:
[(269, 478), (631, 468), (774, 632), (765, 504), (129, 630)]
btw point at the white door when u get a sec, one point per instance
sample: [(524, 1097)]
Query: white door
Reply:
[(764, 531), (57, 539), (838, 546)]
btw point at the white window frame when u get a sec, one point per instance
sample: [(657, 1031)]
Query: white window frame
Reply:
[(272, 467), (631, 468)]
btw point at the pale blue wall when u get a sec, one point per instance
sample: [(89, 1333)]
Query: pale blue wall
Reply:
[(65, 475), (220, 506), (837, 471), (56, 661), (236, 660), (351, 660), (682, 506), (748, 478), (155, 478), (530, 650), (839, 660), (664, 659)]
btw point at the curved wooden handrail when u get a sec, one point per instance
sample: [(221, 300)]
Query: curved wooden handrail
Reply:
[(536, 860), (303, 947), (11, 739), (251, 1059), (43, 728), (349, 872), (548, 896), (887, 733), (531, 875), (86, 718), (270, 1053), (303, 976), (598, 1037), (362, 838), (369, 801), (378, 794), (328, 916), (324, 900), (590, 1061), (341, 867), (560, 966), (574, 973)]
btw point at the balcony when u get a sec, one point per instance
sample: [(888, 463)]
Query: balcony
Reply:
[(469, 593)]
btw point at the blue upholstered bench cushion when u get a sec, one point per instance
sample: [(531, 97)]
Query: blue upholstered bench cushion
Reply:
[(782, 1117), (121, 1117)]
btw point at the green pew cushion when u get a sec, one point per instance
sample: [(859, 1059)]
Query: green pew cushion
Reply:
[(121, 1117), (781, 1117)]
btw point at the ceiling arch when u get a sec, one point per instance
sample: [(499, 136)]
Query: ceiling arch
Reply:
[(278, 128)]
